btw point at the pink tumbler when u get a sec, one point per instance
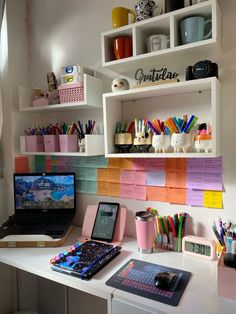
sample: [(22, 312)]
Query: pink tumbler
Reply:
[(144, 222)]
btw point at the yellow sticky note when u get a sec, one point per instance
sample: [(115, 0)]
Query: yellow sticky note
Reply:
[(213, 199)]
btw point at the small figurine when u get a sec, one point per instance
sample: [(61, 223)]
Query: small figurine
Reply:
[(119, 85), (143, 141), (82, 145)]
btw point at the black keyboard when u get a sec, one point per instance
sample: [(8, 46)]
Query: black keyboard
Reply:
[(38, 220), (85, 259)]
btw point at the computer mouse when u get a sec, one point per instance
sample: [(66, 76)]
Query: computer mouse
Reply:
[(163, 280)]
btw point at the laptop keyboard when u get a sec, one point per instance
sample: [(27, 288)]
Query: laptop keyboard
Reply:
[(39, 220)]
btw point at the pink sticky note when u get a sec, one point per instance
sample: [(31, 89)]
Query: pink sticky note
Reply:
[(140, 192), (127, 191), (127, 177), (140, 177), (139, 164), (155, 163)]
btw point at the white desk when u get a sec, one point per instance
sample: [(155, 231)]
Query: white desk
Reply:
[(200, 295)]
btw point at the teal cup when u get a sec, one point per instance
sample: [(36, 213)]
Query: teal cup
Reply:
[(194, 29)]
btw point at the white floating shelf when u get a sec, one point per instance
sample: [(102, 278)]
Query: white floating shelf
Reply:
[(162, 155), (93, 88), (166, 24), (94, 146), (163, 89), (199, 97)]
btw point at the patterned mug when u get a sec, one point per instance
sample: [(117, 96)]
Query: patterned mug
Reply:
[(145, 9)]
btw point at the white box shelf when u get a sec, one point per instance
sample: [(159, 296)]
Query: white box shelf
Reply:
[(167, 24), (93, 88), (94, 146), (199, 97)]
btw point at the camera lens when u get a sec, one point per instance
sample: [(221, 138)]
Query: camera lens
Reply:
[(201, 69)]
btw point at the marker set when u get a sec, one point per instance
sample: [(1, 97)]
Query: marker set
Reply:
[(169, 230), (58, 138), (225, 233), (173, 135)]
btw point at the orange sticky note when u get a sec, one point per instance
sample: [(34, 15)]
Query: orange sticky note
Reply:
[(126, 163), (114, 163), (114, 189), (102, 175), (176, 164), (114, 175), (103, 188), (156, 193), (22, 164), (176, 196), (176, 179)]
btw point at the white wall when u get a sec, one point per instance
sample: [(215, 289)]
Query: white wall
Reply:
[(65, 32)]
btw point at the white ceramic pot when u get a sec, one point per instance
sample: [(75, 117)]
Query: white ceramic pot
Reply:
[(161, 143), (181, 141), (203, 143)]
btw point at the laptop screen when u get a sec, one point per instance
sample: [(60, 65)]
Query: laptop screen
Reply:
[(50, 192)]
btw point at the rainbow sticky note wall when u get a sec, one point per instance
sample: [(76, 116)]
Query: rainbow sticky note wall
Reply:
[(192, 181)]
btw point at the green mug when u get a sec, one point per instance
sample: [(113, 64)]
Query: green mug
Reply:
[(193, 29)]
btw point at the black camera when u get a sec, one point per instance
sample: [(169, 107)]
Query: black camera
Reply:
[(201, 69)]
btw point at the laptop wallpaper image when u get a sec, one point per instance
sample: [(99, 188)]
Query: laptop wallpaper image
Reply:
[(44, 192)]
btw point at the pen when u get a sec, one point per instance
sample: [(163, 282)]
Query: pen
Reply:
[(179, 233), (93, 126), (136, 125), (81, 129), (221, 241), (152, 127), (131, 126)]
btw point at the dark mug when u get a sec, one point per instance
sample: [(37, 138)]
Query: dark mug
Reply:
[(145, 9), (123, 47), (172, 5)]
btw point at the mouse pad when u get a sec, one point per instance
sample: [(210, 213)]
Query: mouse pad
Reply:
[(137, 277)]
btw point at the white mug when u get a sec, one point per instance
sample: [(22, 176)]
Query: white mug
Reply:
[(157, 42)]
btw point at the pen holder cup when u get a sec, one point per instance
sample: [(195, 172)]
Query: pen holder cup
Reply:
[(144, 223), (226, 280), (173, 244), (181, 141), (123, 142), (81, 144), (143, 142), (34, 143), (203, 142), (68, 142), (161, 143), (51, 143)]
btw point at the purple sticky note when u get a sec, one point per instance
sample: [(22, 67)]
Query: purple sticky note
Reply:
[(195, 181), (213, 181), (195, 197)]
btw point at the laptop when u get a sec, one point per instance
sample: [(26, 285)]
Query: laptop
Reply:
[(45, 204)]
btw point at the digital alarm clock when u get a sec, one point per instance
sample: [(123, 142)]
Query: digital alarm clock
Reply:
[(198, 246)]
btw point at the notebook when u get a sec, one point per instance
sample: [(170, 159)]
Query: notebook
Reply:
[(44, 204)]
